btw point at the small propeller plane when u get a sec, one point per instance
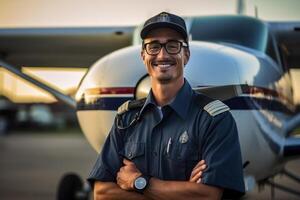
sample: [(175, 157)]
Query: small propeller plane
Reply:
[(240, 60)]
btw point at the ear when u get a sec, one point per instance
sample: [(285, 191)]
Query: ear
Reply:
[(143, 55), (186, 55)]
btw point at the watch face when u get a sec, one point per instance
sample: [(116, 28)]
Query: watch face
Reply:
[(140, 183)]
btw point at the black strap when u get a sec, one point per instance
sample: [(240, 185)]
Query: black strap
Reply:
[(136, 104), (132, 105)]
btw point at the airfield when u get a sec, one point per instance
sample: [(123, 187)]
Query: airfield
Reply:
[(32, 164)]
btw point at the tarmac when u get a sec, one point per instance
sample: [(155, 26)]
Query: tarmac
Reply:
[(32, 165)]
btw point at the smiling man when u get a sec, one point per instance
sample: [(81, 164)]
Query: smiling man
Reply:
[(176, 143)]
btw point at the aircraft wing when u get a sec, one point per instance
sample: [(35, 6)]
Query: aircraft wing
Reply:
[(56, 47)]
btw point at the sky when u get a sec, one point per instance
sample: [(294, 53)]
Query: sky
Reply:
[(79, 13)]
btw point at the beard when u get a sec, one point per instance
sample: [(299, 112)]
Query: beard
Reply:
[(165, 79)]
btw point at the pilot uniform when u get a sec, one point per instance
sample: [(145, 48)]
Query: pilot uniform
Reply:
[(168, 142)]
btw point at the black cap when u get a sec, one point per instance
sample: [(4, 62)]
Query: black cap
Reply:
[(165, 20)]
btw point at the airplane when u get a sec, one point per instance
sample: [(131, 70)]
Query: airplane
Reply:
[(240, 60)]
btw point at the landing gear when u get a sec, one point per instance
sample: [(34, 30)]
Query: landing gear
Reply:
[(71, 187)]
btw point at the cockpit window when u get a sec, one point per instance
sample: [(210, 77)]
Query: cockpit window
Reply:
[(242, 30)]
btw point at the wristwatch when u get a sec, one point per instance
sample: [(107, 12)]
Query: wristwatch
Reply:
[(141, 183)]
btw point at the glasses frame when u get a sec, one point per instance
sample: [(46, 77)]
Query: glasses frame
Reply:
[(182, 44)]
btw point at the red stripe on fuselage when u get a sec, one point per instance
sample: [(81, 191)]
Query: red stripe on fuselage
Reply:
[(110, 90)]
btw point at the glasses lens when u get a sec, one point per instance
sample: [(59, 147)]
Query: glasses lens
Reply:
[(153, 48), (173, 47)]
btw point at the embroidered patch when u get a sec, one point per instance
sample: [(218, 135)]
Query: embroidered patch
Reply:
[(216, 107), (184, 137)]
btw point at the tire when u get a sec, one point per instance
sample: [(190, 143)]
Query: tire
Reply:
[(68, 186), (4, 125)]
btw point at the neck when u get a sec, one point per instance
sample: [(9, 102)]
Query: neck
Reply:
[(165, 93)]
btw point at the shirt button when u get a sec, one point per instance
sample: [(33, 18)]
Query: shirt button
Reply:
[(130, 155)]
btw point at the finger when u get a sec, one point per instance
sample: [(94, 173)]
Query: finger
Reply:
[(201, 162), (118, 178), (201, 167), (127, 168), (199, 180), (127, 162), (197, 170), (196, 177)]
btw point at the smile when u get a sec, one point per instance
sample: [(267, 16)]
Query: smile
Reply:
[(163, 65)]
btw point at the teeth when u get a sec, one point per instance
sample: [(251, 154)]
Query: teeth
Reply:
[(163, 65)]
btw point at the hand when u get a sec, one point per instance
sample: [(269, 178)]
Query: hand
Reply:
[(197, 172), (127, 175)]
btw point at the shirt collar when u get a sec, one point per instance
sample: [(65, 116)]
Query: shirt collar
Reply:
[(149, 100), (181, 102)]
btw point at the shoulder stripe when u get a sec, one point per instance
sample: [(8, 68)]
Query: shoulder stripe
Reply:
[(216, 107)]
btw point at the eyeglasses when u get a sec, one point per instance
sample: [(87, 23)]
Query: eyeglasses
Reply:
[(172, 47)]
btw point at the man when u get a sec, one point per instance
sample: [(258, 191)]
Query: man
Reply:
[(156, 147)]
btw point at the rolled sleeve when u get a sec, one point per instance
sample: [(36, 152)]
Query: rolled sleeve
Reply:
[(222, 154), (109, 160)]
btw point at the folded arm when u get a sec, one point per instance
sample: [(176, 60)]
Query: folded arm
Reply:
[(159, 189), (111, 191)]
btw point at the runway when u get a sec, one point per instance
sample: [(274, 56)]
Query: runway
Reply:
[(31, 166)]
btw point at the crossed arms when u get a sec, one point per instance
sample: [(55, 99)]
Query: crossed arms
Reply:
[(157, 189)]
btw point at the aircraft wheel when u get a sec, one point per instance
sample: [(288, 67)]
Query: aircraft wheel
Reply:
[(3, 126), (69, 187)]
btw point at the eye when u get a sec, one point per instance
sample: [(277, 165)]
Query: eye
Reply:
[(173, 45), (153, 46)]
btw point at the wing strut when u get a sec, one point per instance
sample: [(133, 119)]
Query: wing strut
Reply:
[(60, 96), (283, 188)]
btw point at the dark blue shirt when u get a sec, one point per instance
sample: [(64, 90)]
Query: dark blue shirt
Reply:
[(168, 143)]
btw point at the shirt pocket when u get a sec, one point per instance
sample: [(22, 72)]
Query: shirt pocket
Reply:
[(182, 158), (136, 153), (191, 157)]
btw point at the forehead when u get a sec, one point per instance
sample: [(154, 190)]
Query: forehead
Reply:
[(163, 34)]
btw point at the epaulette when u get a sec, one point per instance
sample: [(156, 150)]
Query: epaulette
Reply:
[(216, 107), (130, 105)]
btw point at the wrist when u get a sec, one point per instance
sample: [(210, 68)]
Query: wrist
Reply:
[(134, 178), (141, 183)]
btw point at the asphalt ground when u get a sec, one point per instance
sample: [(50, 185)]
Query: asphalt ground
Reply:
[(31, 166)]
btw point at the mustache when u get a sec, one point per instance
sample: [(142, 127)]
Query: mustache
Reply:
[(163, 61)]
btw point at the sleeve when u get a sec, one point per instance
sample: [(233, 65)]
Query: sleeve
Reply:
[(109, 160), (222, 154)]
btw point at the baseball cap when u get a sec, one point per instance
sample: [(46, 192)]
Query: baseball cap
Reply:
[(165, 20)]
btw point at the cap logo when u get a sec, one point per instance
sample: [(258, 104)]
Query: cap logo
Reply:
[(164, 17)]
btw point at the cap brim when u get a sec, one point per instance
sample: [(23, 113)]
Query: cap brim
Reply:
[(145, 31)]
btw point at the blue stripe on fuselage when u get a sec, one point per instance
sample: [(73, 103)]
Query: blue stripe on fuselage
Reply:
[(236, 103)]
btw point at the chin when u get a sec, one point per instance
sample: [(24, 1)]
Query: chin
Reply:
[(165, 80)]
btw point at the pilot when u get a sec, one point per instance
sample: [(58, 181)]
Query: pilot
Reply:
[(176, 143)]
